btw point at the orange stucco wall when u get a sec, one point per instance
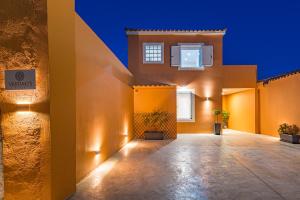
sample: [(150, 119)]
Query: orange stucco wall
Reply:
[(239, 76), (241, 106), (104, 101), (61, 39), (279, 103), (150, 98), (207, 83)]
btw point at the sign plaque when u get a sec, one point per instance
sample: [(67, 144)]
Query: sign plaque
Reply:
[(20, 79)]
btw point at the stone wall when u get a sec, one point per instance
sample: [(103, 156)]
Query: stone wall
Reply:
[(25, 114)]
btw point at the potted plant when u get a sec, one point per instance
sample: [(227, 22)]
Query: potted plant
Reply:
[(217, 125), (153, 122), (289, 133), (225, 118)]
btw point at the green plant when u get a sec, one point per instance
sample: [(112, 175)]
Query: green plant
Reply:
[(217, 113), (293, 130), (288, 129), (154, 120), (225, 117)]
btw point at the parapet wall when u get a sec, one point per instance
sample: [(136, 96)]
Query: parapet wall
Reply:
[(279, 103)]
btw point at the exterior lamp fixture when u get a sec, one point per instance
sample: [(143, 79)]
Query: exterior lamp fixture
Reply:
[(97, 152)]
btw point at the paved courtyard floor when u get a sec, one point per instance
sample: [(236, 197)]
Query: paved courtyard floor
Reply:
[(235, 165)]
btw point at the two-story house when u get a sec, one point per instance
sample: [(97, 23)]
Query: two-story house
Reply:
[(193, 61)]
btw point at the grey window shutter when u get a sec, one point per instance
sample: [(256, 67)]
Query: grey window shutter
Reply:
[(207, 53), (175, 56)]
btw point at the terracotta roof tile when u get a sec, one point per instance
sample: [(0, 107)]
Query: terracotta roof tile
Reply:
[(266, 81), (174, 31)]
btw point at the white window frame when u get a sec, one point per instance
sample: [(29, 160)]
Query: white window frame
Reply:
[(192, 46), (144, 52), (192, 92)]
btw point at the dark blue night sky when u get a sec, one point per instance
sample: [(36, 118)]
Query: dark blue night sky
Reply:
[(266, 33)]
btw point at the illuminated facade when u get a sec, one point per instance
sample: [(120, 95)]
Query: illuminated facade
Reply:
[(192, 61), (84, 104)]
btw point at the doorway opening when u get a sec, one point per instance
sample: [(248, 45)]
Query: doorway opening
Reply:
[(240, 104)]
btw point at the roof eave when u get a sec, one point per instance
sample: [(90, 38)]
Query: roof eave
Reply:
[(134, 32)]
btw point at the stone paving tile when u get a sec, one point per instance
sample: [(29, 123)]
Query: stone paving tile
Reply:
[(235, 165)]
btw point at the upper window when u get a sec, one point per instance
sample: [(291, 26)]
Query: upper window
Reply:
[(153, 53), (191, 57)]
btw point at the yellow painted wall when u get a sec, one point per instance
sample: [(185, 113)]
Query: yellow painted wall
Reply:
[(279, 103), (241, 106), (61, 39), (104, 101), (150, 98)]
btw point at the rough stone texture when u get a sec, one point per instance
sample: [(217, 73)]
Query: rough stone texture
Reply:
[(204, 166), (25, 129), (25, 155), (1, 167)]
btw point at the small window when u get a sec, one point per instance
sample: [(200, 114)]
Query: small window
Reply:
[(153, 53), (185, 106), (191, 57)]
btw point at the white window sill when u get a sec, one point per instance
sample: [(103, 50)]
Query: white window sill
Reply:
[(185, 120), (153, 62), (191, 68)]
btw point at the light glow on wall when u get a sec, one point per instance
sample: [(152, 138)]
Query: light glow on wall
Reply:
[(207, 91), (24, 113), (125, 133), (207, 105), (24, 99), (126, 140), (125, 129), (94, 143), (23, 103)]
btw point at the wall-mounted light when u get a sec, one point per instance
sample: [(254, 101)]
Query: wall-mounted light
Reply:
[(206, 99), (125, 137), (97, 152)]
